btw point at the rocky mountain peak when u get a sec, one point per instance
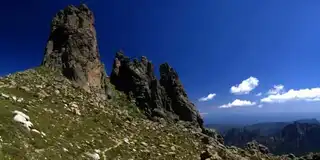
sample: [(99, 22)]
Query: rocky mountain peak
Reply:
[(164, 98), (186, 110), (72, 48)]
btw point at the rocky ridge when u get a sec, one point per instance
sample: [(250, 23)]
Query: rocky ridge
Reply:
[(164, 98), (297, 138)]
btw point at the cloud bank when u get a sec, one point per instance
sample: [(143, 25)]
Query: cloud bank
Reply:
[(245, 87), (238, 103), (207, 98), (312, 94)]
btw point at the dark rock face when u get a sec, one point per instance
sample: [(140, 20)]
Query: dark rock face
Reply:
[(164, 98), (298, 138), (241, 136), (175, 91), (72, 48)]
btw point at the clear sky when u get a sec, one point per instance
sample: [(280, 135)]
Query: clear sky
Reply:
[(213, 44)]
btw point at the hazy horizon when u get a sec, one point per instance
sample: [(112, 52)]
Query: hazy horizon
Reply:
[(247, 119)]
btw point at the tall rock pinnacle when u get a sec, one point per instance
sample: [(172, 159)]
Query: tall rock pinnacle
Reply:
[(72, 48)]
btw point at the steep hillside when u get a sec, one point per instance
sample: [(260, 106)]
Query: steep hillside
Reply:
[(69, 123)]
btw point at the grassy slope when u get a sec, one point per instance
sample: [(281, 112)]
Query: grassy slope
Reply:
[(115, 128)]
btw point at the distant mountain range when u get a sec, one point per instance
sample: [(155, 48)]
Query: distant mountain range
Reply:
[(265, 127), (296, 137)]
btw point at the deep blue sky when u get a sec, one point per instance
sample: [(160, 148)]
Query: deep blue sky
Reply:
[(213, 44)]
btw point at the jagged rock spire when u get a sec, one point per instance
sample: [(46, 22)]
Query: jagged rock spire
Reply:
[(179, 99), (72, 48), (165, 98)]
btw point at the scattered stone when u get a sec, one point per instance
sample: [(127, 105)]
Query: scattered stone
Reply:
[(57, 92), (39, 150), (171, 153), (49, 110), (43, 134), (126, 140), (74, 108), (25, 88), (14, 98), (74, 105), (146, 151), (94, 156), (5, 96), (163, 146), (173, 148), (144, 143), (23, 119), (65, 149), (13, 83), (35, 131), (42, 94), (20, 100), (39, 86)]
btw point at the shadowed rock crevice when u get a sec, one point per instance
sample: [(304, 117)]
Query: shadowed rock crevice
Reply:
[(164, 98)]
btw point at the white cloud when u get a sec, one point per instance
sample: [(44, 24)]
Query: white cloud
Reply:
[(312, 94), (238, 103), (207, 98), (260, 105), (259, 94), (246, 86), (277, 89)]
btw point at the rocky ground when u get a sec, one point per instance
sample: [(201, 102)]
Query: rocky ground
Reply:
[(65, 122)]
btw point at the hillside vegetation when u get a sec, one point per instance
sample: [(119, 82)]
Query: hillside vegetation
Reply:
[(74, 124)]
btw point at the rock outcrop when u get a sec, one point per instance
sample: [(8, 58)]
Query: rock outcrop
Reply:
[(72, 48), (164, 98), (255, 146)]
